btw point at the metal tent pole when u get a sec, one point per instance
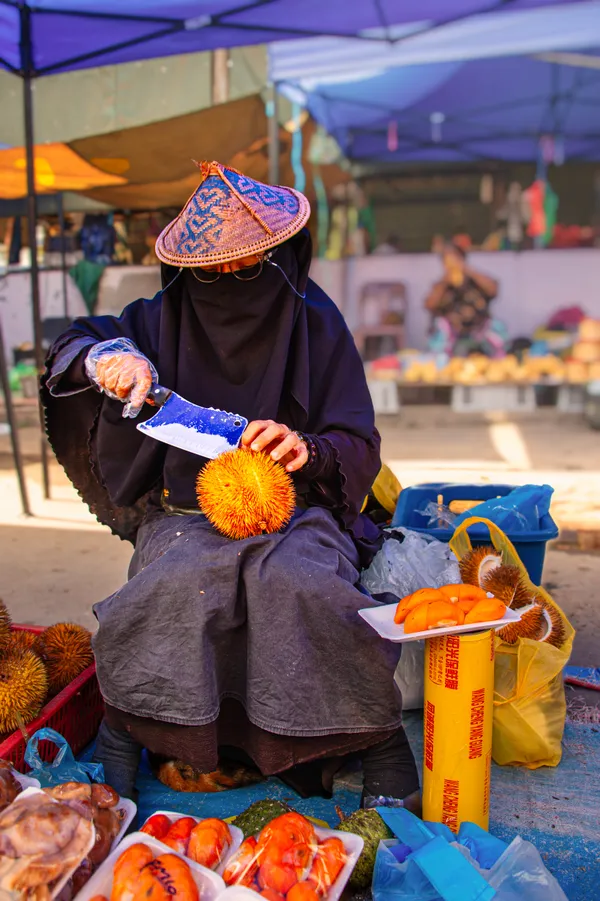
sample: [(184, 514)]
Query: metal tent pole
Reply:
[(63, 251), (12, 425), (27, 73), (274, 149)]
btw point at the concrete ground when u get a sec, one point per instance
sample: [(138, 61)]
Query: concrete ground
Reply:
[(57, 564)]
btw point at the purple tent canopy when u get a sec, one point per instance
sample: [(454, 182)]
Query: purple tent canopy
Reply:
[(481, 110), (75, 34)]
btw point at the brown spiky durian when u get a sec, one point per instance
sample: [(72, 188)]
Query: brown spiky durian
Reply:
[(5, 623), (555, 632), (21, 640), (66, 650), (531, 625), (244, 494), (23, 689), (507, 583), (476, 565)]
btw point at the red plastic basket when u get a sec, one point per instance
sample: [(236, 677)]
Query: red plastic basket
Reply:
[(76, 713)]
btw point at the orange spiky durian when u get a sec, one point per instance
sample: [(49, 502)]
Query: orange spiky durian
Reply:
[(66, 650), (5, 622), (475, 565), (555, 632), (531, 625), (507, 583), (23, 689), (21, 640), (244, 494)]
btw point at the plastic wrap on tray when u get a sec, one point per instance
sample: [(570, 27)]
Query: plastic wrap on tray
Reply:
[(292, 859), (208, 842)]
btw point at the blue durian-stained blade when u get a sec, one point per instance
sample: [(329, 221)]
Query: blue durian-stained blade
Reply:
[(199, 430)]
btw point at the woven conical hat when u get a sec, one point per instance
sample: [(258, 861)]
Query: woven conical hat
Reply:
[(229, 217)]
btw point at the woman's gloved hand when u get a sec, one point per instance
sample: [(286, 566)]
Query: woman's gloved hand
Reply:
[(122, 372)]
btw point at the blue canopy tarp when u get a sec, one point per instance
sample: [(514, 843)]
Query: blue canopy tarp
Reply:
[(488, 109), (74, 34), (469, 90)]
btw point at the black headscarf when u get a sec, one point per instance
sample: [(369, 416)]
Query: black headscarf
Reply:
[(255, 348)]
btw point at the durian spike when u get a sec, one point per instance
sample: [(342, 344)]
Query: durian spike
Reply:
[(66, 649), (531, 625), (475, 565), (245, 494), (21, 640), (23, 689), (5, 623), (507, 583), (555, 632)]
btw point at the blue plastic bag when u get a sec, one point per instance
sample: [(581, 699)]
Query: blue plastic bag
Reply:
[(435, 865), (520, 511), (64, 767)]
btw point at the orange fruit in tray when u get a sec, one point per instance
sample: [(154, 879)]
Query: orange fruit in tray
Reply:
[(243, 866), (209, 841), (302, 892), (436, 615), (328, 864), (486, 611), (463, 594), (411, 601)]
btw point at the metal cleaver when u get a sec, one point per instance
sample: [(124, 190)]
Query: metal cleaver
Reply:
[(199, 430)]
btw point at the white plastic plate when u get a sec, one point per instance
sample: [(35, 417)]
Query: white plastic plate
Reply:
[(129, 810), (210, 885), (237, 835), (353, 845), (382, 620)]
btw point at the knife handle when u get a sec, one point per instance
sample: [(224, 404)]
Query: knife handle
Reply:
[(158, 396)]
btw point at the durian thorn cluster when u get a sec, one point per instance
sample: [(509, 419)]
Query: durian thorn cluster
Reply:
[(245, 494)]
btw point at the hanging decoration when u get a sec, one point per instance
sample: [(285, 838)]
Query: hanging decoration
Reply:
[(392, 136), (436, 120)]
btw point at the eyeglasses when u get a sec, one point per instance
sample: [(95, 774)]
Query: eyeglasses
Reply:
[(248, 274)]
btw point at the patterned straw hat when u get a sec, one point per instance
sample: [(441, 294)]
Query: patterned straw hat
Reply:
[(230, 217)]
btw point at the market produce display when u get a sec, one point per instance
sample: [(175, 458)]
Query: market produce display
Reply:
[(205, 842), (451, 605), (244, 494), (34, 668), (288, 859), (42, 842)]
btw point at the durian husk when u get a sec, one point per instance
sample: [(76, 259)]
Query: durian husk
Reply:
[(23, 689), (555, 633), (475, 566), (5, 623), (531, 625), (245, 494), (506, 583), (66, 649)]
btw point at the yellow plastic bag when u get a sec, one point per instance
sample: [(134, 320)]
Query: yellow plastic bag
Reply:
[(386, 490), (529, 695)]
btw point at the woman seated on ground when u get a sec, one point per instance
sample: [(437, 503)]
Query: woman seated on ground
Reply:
[(254, 645), (460, 308)]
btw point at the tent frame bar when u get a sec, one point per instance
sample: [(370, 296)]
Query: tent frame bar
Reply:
[(26, 50)]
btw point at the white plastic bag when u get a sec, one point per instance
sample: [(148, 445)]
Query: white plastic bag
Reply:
[(417, 562)]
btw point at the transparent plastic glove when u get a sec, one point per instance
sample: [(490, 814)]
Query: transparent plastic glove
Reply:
[(119, 369)]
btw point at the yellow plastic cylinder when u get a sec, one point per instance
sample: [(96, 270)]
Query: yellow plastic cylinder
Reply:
[(458, 711)]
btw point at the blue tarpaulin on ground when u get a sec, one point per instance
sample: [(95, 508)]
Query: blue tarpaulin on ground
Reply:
[(75, 34)]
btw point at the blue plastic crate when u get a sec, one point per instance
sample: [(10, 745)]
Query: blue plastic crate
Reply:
[(530, 546)]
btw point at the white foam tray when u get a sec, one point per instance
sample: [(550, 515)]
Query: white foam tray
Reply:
[(210, 885), (129, 810), (237, 835), (353, 845), (26, 781), (382, 620)]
